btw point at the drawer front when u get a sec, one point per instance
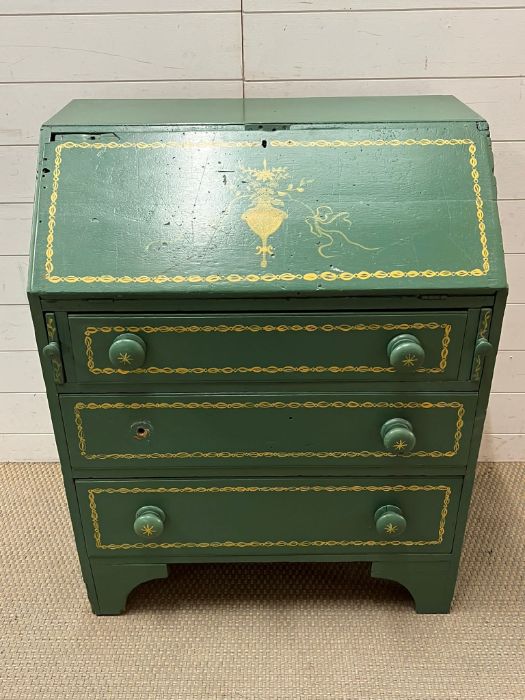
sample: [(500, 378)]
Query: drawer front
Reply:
[(271, 347), (266, 517), (275, 429)]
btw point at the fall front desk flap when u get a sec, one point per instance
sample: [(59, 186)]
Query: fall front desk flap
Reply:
[(238, 211)]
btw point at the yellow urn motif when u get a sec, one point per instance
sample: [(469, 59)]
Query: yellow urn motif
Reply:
[(269, 190), (264, 220)]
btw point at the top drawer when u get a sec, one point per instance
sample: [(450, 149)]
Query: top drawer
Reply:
[(298, 347)]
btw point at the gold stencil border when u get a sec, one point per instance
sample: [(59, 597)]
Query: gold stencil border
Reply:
[(268, 489), (266, 277), (238, 328), (221, 405)]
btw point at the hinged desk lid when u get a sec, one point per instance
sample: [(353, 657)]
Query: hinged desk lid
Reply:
[(239, 211)]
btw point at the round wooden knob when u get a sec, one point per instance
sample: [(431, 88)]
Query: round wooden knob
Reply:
[(483, 347), (390, 521), (127, 351), (398, 436), (52, 350), (405, 352), (149, 522)]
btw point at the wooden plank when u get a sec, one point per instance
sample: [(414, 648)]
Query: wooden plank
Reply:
[(498, 100), (20, 411), (509, 375), (21, 372), (367, 5), (28, 448), (42, 448), (28, 105), (502, 448), (512, 216), (16, 447), (509, 160), (17, 173), (330, 45), (120, 47), (513, 332), (515, 264), (18, 167), (506, 414), (15, 228), (16, 329), (23, 413), (29, 7), (13, 279)]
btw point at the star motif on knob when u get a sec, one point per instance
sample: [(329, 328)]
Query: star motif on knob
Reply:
[(390, 529), (125, 358), (400, 445), (148, 530), (409, 360)]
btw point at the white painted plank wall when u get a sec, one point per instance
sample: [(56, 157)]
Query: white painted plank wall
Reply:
[(82, 7), (393, 44), (9, 7), (368, 5), (52, 51), (55, 48)]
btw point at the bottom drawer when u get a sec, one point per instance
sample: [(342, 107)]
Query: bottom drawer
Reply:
[(230, 517)]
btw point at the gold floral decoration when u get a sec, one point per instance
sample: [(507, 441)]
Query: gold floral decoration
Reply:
[(268, 190)]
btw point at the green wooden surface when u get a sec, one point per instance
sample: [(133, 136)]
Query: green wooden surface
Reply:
[(425, 108), (298, 347), (178, 233), (232, 516), (163, 304), (115, 581), (228, 213), (431, 584), (41, 336), (244, 430)]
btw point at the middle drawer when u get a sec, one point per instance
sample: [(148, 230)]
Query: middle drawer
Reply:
[(242, 430)]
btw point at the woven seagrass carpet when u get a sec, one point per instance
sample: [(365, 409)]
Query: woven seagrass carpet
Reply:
[(271, 631)]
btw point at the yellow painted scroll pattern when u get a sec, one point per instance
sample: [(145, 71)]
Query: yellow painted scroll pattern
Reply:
[(51, 275), (398, 488), (79, 407), (90, 331)]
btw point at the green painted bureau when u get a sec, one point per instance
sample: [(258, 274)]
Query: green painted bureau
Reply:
[(267, 330)]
